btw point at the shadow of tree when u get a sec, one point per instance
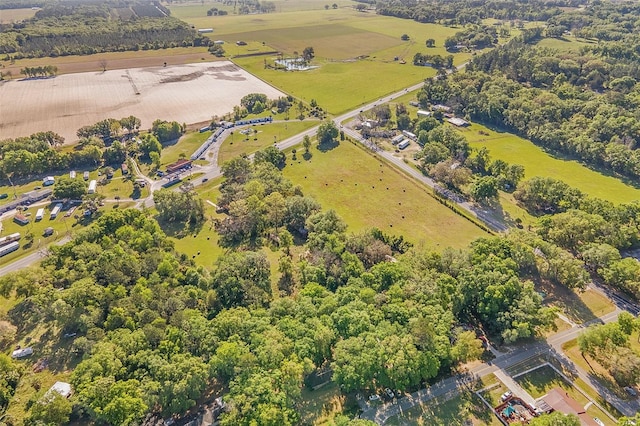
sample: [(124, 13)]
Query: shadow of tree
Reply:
[(328, 146)]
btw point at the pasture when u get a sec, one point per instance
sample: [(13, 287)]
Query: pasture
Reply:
[(352, 49), (367, 192), (186, 93), (516, 150)]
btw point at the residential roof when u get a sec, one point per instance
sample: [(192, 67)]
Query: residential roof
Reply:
[(458, 121), (560, 400)]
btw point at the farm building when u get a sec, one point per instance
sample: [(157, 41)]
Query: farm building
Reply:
[(92, 186), (49, 180), (179, 165), (422, 113), (62, 388), (440, 107), (458, 122), (21, 219), (405, 143), (21, 353)]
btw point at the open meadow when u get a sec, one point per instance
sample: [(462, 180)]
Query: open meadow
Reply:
[(537, 162), (366, 192), (184, 93)]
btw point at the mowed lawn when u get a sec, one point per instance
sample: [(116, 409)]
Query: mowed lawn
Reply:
[(516, 150), (464, 409), (540, 381), (366, 192), (262, 136)]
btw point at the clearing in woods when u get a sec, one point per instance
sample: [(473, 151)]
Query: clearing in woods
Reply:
[(184, 93)]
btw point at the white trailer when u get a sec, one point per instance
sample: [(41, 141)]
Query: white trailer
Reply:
[(72, 174), (39, 214), (55, 211), (9, 238), (92, 186), (405, 143), (4, 250)]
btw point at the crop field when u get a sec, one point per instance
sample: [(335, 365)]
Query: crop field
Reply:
[(8, 16), (112, 60), (516, 150), (367, 192), (186, 93)]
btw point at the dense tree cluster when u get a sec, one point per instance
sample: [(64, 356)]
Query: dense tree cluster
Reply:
[(473, 36), (584, 104), (38, 154), (155, 332), (76, 28), (609, 345), (462, 12), (593, 229), (167, 131), (435, 61)]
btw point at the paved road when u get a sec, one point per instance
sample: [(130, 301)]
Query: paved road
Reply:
[(29, 259), (552, 346)]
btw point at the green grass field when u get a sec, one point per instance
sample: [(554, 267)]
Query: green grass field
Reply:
[(540, 381), (185, 146), (568, 43), (239, 144), (458, 410), (537, 162), (353, 49), (366, 192)]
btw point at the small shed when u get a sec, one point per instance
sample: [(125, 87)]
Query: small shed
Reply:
[(72, 174), (62, 388), (49, 180), (458, 122), (21, 353), (422, 113)]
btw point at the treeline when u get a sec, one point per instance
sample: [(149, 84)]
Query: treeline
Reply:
[(20, 4), (594, 230), (40, 71), (462, 12), (435, 61), (108, 141), (600, 130), (80, 29), (155, 332)]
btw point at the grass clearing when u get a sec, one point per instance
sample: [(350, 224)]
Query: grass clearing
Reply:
[(569, 43), (579, 306), (516, 150), (366, 192), (239, 144), (320, 406), (540, 381), (8, 16), (463, 409), (185, 146)]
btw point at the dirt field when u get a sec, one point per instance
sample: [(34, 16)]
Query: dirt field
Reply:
[(186, 93)]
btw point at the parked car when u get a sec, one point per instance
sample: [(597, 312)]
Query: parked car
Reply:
[(631, 391), (389, 393), (3, 196), (597, 420), (374, 397), (506, 396)]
